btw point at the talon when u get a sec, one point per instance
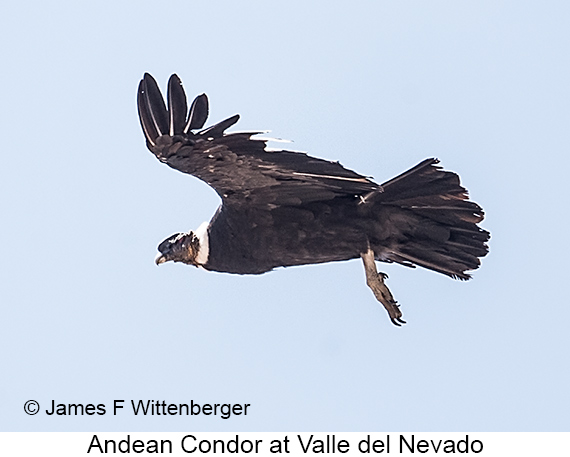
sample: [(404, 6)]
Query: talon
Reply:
[(375, 280)]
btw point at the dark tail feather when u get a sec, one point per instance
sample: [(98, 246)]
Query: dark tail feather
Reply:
[(440, 229)]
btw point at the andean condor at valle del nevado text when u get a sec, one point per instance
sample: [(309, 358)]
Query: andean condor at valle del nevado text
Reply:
[(284, 208)]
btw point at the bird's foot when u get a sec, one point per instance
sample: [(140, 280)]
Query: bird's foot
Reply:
[(375, 280)]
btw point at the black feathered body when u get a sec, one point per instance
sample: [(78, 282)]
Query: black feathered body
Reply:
[(399, 228), (284, 208), (253, 240)]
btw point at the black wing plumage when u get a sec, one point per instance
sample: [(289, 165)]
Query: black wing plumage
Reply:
[(283, 208), (236, 165)]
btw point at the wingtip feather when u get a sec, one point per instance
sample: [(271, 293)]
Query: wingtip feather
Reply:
[(149, 129), (152, 110), (219, 128), (177, 107), (198, 113)]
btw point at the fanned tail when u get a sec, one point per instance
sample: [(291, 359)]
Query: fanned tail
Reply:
[(438, 221)]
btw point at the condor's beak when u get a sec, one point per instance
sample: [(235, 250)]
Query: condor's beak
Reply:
[(159, 259)]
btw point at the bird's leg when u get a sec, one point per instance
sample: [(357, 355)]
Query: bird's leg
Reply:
[(375, 281)]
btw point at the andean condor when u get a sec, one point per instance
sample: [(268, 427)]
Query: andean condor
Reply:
[(284, 208)]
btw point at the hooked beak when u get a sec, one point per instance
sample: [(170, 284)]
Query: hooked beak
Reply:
[(159, 259)]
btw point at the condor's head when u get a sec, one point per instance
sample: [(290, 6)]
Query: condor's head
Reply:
[(180, 247)]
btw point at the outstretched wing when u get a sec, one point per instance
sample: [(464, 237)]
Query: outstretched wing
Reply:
[(236, 165)]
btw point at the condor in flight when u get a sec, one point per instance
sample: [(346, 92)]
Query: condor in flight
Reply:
[(283, 208)]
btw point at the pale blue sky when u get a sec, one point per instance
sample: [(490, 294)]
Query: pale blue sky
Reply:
[(379, 85)]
